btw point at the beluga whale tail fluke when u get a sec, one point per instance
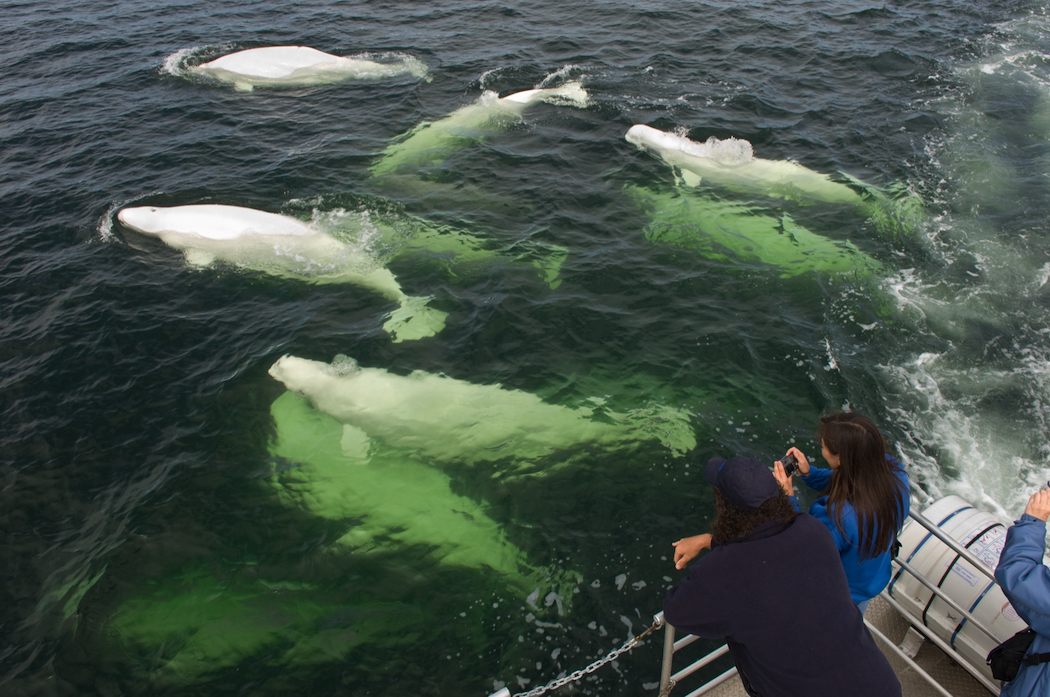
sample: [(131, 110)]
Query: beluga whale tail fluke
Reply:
[(281, 246), (430, 144), (298, 66), (731, 164)]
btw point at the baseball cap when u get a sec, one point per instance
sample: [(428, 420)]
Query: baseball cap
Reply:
[(746, 483)]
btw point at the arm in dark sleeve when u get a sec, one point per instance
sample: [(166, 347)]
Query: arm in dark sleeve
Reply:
[(1021, 572), (692, 609)]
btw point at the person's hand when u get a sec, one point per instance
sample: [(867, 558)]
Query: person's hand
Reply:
[(803, 463), (1039, 505), (686, 549), (783, 478)]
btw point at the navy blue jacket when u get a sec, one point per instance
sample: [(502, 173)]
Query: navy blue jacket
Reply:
[(781, 601)]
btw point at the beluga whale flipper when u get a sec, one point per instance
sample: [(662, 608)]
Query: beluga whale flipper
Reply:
[(430, 144), (297, 66), (281, 246), (730, 163)]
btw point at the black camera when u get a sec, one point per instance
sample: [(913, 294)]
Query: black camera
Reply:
[(790, 463)]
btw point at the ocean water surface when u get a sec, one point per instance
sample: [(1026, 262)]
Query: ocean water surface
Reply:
[(500, 508)]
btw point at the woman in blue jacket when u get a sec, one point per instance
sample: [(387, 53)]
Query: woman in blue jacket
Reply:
[(1026, 582), (865, 501)]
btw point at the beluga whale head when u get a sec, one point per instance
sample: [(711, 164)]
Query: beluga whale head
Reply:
[(140, 219), (306, 377)]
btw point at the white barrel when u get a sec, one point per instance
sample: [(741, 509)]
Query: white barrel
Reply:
[(983, 534)]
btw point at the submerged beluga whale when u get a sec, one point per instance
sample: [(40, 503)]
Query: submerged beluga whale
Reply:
[(739, 234), (730, 163), (396, 500), (282, 246), (447, 419), (184, 627), (429, 144), (297, 66)]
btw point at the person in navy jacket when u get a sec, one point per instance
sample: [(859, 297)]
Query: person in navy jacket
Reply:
[(773, 588), (1026, 582)]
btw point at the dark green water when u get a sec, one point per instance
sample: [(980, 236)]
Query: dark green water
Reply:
[(147, 546)]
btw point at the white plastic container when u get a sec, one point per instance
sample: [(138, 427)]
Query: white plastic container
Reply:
[(983, 534)]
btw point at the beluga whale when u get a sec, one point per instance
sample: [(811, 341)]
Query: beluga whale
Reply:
[(430, 144), (395, 499), (298, 66), (743, 236), (730, 163), (447, 419), (282, 246)]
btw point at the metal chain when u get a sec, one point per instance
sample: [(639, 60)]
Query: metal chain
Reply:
[(572, 677)]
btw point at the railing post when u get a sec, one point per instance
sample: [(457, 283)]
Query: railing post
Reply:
[(665, 669)]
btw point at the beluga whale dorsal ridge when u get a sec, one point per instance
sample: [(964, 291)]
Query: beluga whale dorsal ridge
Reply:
[(296, 66), (282, 246)]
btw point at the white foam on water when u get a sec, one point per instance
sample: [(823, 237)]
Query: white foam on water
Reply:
[(970, 390), (177, 63), (567, 73)]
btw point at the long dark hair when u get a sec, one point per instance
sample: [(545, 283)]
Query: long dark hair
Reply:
[(864, 478), (732, 524)]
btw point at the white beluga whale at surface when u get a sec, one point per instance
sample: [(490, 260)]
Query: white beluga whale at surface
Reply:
[(296, 66), (430, 144), (731, 164), (449, 419), (282, 246)]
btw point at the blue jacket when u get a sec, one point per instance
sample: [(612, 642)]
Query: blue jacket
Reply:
[(780, 601), (1026, 583), (867, 577)]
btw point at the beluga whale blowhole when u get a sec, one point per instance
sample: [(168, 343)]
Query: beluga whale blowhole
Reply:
[(298, 66), (281, 246)]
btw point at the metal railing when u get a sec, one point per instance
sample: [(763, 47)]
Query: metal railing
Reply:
[(668, 681)]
